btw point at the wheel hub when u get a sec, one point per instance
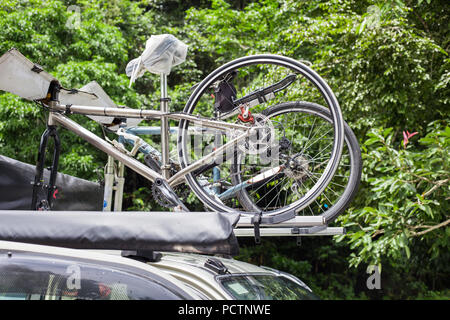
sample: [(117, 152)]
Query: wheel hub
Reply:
[(297, 167)]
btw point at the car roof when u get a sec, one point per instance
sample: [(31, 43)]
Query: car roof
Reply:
[(198, 261), (190, 269), (185, 270), (97, 256)]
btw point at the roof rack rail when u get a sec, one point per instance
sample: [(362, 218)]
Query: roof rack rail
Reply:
[(142, 255)]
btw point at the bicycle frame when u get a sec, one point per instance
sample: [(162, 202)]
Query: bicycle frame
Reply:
[(57, 118), (145, 148), (116, 151)]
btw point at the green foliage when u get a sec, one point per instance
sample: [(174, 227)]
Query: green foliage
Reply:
[(377, 64), (406, 197)]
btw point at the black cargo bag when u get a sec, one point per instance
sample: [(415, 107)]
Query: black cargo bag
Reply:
[(225, 94), (72, 194)]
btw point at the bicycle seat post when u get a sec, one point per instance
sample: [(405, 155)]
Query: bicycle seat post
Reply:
[(165, 168)]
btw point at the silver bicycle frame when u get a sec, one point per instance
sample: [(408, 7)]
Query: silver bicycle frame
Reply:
[(56, 117), (146, 114), (165, 167)]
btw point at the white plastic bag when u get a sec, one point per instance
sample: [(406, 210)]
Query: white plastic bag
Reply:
[(161, 53)]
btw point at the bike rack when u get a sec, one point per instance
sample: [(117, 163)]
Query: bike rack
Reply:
[(276, 226), (286, 225), (298, 226), (288, 232)]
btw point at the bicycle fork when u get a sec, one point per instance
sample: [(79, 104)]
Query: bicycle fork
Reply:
[(114, 182), (39, 184)]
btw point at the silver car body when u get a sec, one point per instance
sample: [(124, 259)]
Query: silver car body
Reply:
[(184, 270)]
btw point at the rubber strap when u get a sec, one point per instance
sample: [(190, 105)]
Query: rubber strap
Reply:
[(256, 222)]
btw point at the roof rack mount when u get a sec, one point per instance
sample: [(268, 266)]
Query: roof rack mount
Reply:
[(289, 232)]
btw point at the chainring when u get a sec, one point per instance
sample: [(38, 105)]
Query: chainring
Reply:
[(160, 198)]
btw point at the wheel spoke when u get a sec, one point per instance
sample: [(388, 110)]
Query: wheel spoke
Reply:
[(311, 140)]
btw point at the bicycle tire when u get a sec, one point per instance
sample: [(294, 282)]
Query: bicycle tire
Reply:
[(351, 146), (316, 81)]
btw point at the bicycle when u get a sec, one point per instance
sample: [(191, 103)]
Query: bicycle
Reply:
[(239, 132), (330, 203)]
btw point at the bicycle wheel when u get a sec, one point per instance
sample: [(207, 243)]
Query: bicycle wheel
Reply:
[(234, 93), (297, 117)]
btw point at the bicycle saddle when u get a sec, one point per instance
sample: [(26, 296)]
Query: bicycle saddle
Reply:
[(161, 53)]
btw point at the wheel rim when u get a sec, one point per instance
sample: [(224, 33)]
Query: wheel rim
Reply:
[(309, 75), (341, 190)]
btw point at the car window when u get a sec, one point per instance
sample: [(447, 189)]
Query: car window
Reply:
[(29, 276), (264, 287)]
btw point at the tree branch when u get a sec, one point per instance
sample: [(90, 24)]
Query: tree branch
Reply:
[(440, 225), (377, 233), (437, 185)]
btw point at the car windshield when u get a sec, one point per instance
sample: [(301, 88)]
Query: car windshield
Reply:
[(264, 287)]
